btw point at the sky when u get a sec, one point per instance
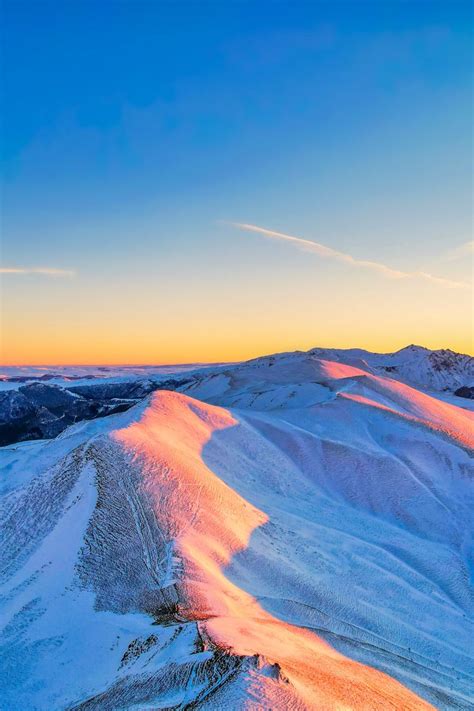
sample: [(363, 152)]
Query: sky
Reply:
[(212, 181)]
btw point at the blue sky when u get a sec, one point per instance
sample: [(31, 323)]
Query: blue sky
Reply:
[(134, 131)]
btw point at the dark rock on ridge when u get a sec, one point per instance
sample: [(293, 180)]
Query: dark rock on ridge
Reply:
[(465, 391)]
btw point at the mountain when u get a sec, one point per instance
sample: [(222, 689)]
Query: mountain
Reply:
[(432, 370), (253, 384), (39, 410), (35, 404), (294, 532)]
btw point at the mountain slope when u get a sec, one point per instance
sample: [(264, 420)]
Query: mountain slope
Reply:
[(432, 370), (38, 403), (305, 542)]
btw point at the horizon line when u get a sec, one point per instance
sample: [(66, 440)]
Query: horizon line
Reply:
[(224, 362)]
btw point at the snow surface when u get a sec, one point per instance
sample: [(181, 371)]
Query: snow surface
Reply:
[(12, 377), (294, 532)]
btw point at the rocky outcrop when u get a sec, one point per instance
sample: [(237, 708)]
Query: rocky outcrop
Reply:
[(465, 391)]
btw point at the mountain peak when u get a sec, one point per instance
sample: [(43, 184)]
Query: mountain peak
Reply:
[(413, 348)]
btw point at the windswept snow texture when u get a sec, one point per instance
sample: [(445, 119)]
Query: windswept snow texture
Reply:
[(294, 532)]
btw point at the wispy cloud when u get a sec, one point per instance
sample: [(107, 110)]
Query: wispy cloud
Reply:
[(45, 271), (462, 250), (328, 253)]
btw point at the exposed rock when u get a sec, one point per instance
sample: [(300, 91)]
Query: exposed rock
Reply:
[(465, 391)]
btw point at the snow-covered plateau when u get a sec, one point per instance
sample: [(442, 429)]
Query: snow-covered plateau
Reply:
[(293, 532)]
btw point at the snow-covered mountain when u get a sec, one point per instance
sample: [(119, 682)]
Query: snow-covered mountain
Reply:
[(294, 532), (37, 402), (296, 378), (432, 370)]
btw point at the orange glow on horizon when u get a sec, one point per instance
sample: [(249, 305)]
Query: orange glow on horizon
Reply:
[(179, 316), (31, 352)]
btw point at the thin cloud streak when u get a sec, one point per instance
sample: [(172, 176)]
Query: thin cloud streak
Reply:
[(44, 271), (329, 253), (462, 250)]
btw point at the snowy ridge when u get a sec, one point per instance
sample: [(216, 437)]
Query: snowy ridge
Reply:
[(436, 370), (432, 370), (294, 532)]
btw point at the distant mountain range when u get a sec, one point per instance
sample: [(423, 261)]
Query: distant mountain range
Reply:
[(36, 403)]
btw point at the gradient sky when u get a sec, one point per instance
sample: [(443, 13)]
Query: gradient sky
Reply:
[(145, 142)]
